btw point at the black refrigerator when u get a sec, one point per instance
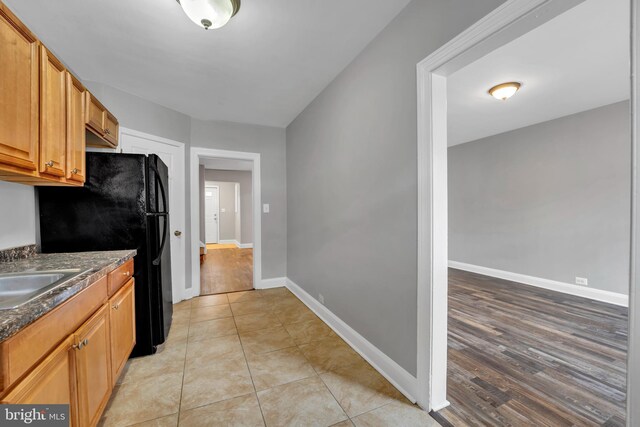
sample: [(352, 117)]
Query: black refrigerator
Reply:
[(123, 205)]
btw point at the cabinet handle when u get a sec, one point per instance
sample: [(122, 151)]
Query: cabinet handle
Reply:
[(85, 342), (116, 306), (75, 171), (107, 131), (78, 346), (127, 273), (49, 163)]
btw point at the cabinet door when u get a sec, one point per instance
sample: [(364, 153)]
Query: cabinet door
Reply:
[(75, 130), (51, 382), (96, 115), (111, 130), (19, 78), (122, 320), (93, 367), (53, 115)]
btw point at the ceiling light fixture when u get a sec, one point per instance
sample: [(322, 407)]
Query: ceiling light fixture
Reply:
[(210, 13), (504, 91)]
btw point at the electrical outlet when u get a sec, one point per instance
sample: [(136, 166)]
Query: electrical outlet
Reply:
[(582, 281), (321, 299)]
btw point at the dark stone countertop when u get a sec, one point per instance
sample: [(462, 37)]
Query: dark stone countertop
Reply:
[(94, 266)]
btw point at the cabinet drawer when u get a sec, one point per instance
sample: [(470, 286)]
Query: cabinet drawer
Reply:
[(118, 277), (22, 351)]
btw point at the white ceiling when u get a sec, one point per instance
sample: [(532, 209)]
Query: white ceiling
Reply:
[(575, 62), (264, 67), (227, 164)]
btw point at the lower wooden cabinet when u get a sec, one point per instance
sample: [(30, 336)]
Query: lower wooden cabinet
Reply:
[(52, 381), (93, 367), (82, 370), (122, 322)]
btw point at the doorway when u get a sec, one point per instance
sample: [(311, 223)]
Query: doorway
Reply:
[(240, 244), (211, 212), (226, 188), (508, 22), (172, 155)]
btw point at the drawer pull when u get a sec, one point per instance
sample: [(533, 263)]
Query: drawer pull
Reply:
[(116, 306), (49, 163)]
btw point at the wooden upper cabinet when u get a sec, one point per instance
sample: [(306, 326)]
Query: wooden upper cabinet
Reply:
[(76, 134), (122, 322), (53, 117), (19, 78), (96, 115), (111, 129), (93, 367)]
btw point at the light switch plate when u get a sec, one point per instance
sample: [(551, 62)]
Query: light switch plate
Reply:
[(265, 208)]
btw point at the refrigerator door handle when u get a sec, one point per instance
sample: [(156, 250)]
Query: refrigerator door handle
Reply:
[(164, 238), (161, 185)]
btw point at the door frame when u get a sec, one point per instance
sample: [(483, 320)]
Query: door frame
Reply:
[(506, 23), (178, 291), (194, 166), (205, 210)]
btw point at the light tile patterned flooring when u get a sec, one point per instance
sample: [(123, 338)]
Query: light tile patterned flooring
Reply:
[(252, 359)]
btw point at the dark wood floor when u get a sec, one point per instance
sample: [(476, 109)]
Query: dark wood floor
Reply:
[(226, 270), (525, 356)]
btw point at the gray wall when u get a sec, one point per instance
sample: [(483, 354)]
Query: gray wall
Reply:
[(227, 226), (550, 200), (246, 206), (270, 143), (17, 215), (352, 180), (139, 114)]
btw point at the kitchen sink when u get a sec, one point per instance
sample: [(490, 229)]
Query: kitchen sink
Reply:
[(17, 289)]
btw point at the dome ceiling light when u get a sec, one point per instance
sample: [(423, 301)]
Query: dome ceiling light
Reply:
[(210, 13), (504, 91)]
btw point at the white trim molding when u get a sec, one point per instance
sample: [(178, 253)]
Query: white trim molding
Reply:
[(552, 285), (228, 242), (194, 162), (276, 282), (507, 22), (397, 375), (633, 354)]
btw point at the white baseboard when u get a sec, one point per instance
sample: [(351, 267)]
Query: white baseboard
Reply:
[(235, 242), (276, 282), (566, 288), (397, 375)]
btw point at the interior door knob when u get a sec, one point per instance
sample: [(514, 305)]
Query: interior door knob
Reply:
[(177, 233)]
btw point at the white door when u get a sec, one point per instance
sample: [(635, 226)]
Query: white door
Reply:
[(211, 214), (172, 154)]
